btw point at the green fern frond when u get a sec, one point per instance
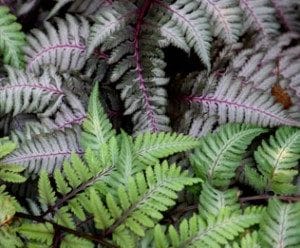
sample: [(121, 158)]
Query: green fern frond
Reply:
[(211, 232), (12, 39), (280, 225), (9, 173), (219, 154), (138, 206), (41, 233), (213, 201), (250, 240), (97, 128), (150, 147), (276, 161)]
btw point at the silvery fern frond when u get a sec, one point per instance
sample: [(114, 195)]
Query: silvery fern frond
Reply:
[(192, 23), (260, 16), (231, 101), (63, 46), (26, 93), (45, 151), (226, 16), (110, 20)]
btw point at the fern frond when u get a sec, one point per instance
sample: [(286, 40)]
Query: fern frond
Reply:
[(12, 39), (110, 20), (218, 155), (226, 16), (151, 147), (27, 93), (64, 46), (277, 159), (213, 232), (280, 226), (9, 173), (72, 184), (97, 128), (260, 15), (139, 205), (249, 240), (235, 102), (213, 201), (88, 7), (46, 151), (42, 233), (191, 20)]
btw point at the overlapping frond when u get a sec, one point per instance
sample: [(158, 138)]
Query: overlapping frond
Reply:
[(232, 101), (218, 155), (26, 93), (12, 39), (191, 21), (226, 16), (213, 201), (260, 15), (212, 232), (276, 162), (139, 205), (45, 151), (280, 225), (63, 46)]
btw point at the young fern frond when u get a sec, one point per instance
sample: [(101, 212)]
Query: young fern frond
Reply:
[(139, 205), (280, 226), (212, 232), (64, 46), (27, 93), (12, 39), (97, 127), (276, 162), (218, 155)]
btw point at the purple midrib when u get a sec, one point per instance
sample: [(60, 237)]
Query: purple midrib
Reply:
[(20, 159), (36, 57), (76, 120), (251, 108), (36, 86)]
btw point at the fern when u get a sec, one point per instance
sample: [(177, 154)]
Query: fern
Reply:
[(12, 39), (213, 232), (9, 173), (64, 48), (97, 128), (232, 101), (280, 225), (138, 207), (26, 93), (261, 16), (45, 151), (226, 16), (218, 155), (276, 162)]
